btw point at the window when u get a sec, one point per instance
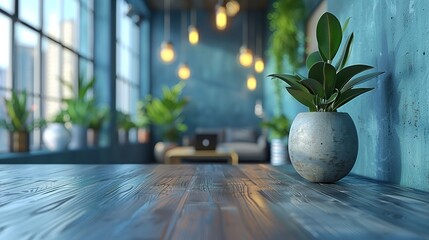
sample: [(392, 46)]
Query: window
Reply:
[(128, 61), (52, 42)]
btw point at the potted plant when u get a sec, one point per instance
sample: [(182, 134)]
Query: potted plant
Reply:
[(125, 124), (166, 113), (143, 122), (323, 143), (279, 130), (18, 124), (56, 137), (98, 116), (78, 112)]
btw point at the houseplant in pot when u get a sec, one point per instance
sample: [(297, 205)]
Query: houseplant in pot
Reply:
[(279, 129), (143, 122), (323, 143), (166, 113), (78, 112), (18, 124), (125, 124), (56, 137), (98, 116)]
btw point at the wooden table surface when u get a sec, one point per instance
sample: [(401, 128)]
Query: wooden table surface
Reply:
[(201, 202)]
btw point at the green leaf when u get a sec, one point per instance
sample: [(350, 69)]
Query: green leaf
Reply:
[(345, 25), (316, 72), (312, 59), (344, 57), (360, 80), (348, 73), (291, 80), (314, 86), (348, 95), (302, 97), (329, 35), (329, 79)]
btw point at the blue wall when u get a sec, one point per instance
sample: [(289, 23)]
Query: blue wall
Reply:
[(392, 120), (217, 87)]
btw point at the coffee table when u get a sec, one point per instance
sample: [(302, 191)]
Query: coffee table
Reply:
[(175, 155)]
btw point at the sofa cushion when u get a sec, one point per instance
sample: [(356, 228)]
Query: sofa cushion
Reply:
[(240, 135)]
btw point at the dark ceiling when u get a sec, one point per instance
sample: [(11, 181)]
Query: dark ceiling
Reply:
[(204, 4)]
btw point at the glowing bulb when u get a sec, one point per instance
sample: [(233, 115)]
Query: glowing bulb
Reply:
[(167, 52), (232, 8), (184, 72), (259, 65), (193, 36), (221, 18), (245, 57), (251, 83)]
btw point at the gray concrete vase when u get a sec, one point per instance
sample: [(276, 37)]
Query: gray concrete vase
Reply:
[(323, 146)]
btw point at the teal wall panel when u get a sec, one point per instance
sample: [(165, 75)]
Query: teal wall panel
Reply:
[(392, 120)]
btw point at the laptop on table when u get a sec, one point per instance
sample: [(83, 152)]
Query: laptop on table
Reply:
[(205, 141)]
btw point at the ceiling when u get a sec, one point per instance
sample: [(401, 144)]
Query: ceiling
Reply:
[(204, 4)]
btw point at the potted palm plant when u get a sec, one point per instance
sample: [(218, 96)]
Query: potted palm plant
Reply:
[(98, 116), (78, 112), (143, 122), (166, 113), (323, 143), (18, 124), (279, 130), (125, 124)]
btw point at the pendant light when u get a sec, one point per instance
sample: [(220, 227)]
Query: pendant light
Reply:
[(193, 35), (221, 18), (232, 8), (251, 82), (259, 63), (167, 53), (184, 72), (245, 56)]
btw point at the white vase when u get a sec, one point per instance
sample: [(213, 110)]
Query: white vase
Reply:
[(56, 137)]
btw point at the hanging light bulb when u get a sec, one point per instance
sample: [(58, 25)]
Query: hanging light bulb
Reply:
[(245, 57), (167, 53), (184, 72), (259, 65), (193, 35), (251, 83), (232, 8), (221, 18)]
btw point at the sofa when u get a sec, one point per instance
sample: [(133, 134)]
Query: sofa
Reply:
[(248, 143)]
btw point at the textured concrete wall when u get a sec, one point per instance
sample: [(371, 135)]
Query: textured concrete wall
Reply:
[(217, 88), (392, 120)]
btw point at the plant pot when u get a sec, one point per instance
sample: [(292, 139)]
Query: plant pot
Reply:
[(19, 141), (123, 136), (279, 155), (143, 135), (78, 137), (161, 148), (56, 137), (93, 136), (323, 146)]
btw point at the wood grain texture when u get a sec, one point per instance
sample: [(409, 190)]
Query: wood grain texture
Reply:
[(201, 202)]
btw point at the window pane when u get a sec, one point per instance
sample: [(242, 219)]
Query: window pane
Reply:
[(27, 59), (70, 25), (69, 72), (88, 4), (52, 18), (29, 11), (125, 63), (51, 69), (86, 32), (52, 107), (5, 47), (7, 5), (35, 135)]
